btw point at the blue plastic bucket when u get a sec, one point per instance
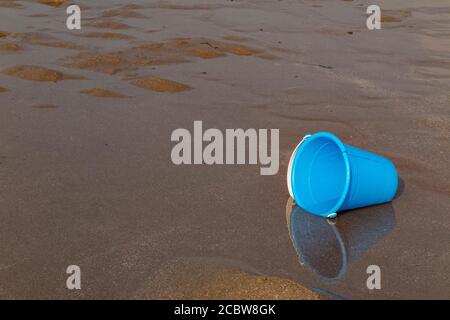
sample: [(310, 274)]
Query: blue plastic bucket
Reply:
[(328, 176)]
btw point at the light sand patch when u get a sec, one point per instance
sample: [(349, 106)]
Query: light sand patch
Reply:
[(206, 279), (9, 47), (44, 106), (240, 51), (133, 6), (10, 4), (173, 51), (108, 25), (244, 286), (105, 35), (160, 85), (206, 53), (394, 16), (122, 13), (4, 34), (53, 3), (390, 19), (106, 63), (102, 93), (37, 73), (42, 39)]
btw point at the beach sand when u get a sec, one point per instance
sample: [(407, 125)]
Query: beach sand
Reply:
[(85, 124)]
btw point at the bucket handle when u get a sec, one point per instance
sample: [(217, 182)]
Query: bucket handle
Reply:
[(291, 160)]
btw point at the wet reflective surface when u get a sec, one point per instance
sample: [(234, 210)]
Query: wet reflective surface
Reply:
[(85, 170), (327, 247)]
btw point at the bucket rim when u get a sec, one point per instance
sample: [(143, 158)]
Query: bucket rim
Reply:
[(345, 157)]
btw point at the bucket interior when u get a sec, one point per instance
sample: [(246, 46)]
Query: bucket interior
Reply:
[(320, 175)]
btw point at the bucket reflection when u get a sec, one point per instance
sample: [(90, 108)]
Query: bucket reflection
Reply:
[(327, 247)]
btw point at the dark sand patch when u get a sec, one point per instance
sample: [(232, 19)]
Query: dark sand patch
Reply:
[(37, 73), (9, 47), (102, 93), (53, 3), (38, 15), (439, 124), (160, 85), (44, 106), (184, 7), (108, 25), (406, 164), (105, 35), (3, 89), (235, 38), (429, 181), (433, 185)]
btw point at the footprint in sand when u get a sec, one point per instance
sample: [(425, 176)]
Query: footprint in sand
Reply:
[(36, 73), (160, 85), (102, 93)]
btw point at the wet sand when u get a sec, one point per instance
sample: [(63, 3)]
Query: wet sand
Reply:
[(85, 170)]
